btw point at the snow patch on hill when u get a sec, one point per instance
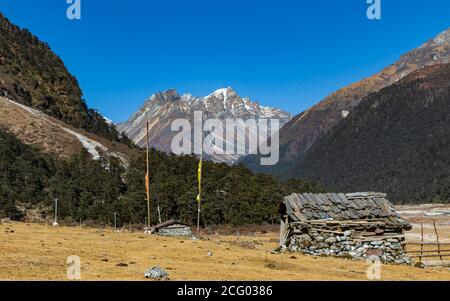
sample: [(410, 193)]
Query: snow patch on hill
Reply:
[(89, 144), (93, 147)]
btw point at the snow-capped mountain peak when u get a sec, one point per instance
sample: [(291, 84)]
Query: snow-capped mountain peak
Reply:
[(223, 93), (164, 107), (443, 38)]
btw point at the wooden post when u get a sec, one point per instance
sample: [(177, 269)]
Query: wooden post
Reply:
[(437, 239), (421, 246), (199, 198), (147, 180), (55, 223), (115, 221), (159, 212), (157, 202), (198, 219), (56, 210)]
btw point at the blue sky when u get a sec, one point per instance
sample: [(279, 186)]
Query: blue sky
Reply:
[(285, 53)]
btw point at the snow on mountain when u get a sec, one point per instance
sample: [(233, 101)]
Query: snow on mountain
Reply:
[(164, 107), (108, 121)]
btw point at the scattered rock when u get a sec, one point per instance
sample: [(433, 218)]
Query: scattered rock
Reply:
[(156, 273), (210, 254), (123, 265), (272, 266), (246, 244), (420, 265), (104, 259)]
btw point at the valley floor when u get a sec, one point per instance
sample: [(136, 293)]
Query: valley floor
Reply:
[(39, 252)]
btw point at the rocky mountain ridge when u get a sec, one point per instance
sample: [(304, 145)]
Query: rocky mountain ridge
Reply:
[(162, 108)]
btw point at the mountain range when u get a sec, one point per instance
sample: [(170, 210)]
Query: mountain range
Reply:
[(307, 128), (161, 109), (388, 132), (397, 141), (53, 147)]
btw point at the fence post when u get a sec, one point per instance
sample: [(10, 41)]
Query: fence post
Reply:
[(437, 239)]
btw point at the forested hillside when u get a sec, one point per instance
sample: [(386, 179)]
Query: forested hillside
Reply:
[(396, 141), (91, 190), (308, 127), (30, 73)]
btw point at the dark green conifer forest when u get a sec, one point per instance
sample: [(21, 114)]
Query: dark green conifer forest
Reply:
[(91, 191)]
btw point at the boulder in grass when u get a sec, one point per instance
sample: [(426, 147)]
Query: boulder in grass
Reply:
[(156, 273)]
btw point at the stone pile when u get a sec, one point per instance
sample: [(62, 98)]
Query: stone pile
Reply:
[(172, 228)]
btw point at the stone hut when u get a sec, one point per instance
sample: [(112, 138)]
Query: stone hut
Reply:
[(172, 228), (352, 225)]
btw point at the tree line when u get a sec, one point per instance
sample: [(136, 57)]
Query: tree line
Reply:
[(92, 191)]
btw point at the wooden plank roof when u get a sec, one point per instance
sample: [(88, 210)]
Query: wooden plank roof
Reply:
[(344, 207)]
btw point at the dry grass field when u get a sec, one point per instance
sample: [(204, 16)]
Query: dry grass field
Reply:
[(39, 252)]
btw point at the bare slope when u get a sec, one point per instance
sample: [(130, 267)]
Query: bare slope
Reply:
[(53, 136)]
